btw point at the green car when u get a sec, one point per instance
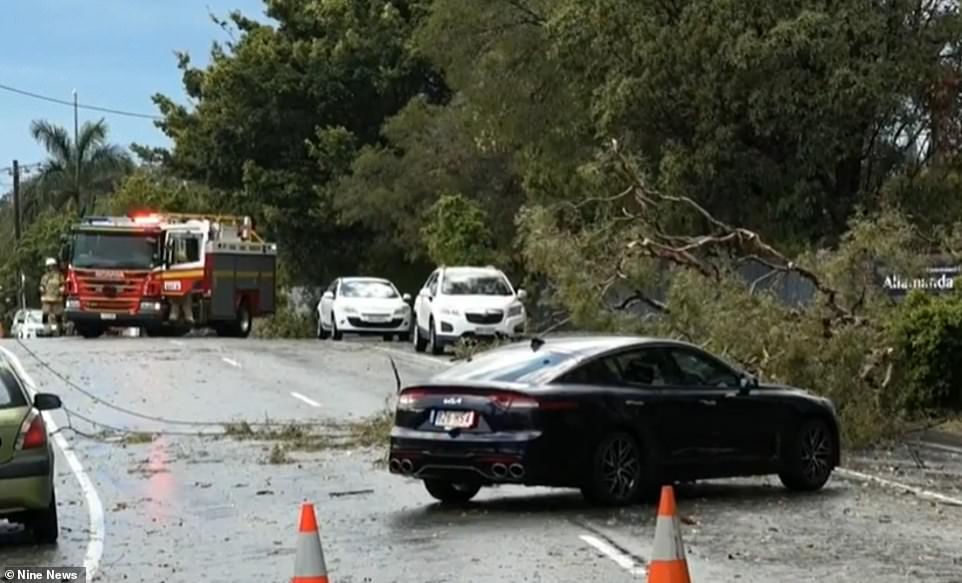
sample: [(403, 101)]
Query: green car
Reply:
[(26, 458)]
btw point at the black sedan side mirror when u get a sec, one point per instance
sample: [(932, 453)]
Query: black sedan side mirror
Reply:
[(746, 383), (46, 401)]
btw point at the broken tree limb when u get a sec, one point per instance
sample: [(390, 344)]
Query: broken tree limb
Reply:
[(740, 243), (639, 297)]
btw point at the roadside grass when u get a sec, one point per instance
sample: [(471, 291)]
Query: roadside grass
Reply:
[(278, 455), (373, 431), (239, 430), (135, 438)]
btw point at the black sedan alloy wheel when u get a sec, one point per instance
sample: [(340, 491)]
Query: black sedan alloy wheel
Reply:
[(617, 472), (809, 463), (816, 453)]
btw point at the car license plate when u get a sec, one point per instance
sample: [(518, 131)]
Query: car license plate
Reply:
[(377, 319), (458, 419), (108, 316), (486, 330)]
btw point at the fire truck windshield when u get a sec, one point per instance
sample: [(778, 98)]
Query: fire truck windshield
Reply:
[(113, 250)]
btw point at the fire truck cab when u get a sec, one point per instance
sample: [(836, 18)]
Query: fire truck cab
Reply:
[(129, 271)]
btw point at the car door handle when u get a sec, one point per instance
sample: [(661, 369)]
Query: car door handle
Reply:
[(708, 402), (635, 403)]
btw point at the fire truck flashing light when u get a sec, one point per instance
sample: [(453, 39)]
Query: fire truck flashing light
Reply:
[(146, 218)]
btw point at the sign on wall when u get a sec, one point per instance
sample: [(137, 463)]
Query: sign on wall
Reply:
[(935, 280)]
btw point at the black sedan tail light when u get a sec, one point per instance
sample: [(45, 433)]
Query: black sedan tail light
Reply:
[(416, 399)]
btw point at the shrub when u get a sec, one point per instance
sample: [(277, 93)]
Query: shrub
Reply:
[(285, 323), (926, 332), (457, 232)]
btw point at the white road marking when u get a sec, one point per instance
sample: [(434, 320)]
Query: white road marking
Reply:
[(920, 492), (177, 343), (95, 508), (231, 362), (621, 559), (307, 400)]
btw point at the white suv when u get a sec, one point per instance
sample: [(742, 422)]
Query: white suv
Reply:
[(466, 301)]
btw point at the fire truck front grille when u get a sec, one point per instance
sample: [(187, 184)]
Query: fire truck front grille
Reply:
[(110, 295), (111, 306)]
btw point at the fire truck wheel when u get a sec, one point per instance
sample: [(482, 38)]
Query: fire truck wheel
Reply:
[(90, 331), (242, 326)]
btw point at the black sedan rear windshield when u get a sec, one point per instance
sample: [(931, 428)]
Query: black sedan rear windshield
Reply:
[(10, 393), (512, 366)]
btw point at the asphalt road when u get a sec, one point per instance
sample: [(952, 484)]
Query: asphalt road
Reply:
[(181, 507)]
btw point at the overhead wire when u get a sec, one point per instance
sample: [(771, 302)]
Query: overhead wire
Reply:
[(104, 426), (79, 105), (24, 168)]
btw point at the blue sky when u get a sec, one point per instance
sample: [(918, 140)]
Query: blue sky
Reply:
[(115, 53)]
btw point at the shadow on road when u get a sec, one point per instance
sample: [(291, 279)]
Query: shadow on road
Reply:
[(569, 504), (14, 537)]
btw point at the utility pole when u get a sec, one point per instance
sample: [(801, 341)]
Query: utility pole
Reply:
[(16, 200), (76, 148), (21, 298)]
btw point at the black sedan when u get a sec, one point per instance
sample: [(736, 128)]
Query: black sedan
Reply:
[(613, 416)]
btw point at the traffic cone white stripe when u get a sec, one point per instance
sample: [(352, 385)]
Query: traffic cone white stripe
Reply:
[(668, 544), (310, 556), (309, 566), (668, 563)]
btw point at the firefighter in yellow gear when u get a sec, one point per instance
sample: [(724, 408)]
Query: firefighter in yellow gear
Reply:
[(51, 294), (182, 307)]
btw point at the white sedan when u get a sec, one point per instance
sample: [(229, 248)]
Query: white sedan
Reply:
[(29, 324), (366, 306)]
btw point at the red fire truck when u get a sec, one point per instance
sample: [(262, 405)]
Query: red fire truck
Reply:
[(126, 272)]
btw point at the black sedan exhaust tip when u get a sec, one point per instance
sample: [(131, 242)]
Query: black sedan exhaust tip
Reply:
[(395, 465), (407, 467), (499, 471), (517, 471)]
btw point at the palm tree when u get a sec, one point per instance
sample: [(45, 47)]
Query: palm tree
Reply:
[(77, 172)]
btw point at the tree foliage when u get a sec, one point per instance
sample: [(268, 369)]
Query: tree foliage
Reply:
[(75, 173), (151, 190), (40, 241), (784, 116), (457, 232), (279, 113)]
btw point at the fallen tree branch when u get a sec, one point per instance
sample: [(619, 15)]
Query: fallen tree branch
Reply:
[(643, 298), (738, 242)]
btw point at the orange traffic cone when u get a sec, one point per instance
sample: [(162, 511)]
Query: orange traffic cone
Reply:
[(668, 563), (309, 564)]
